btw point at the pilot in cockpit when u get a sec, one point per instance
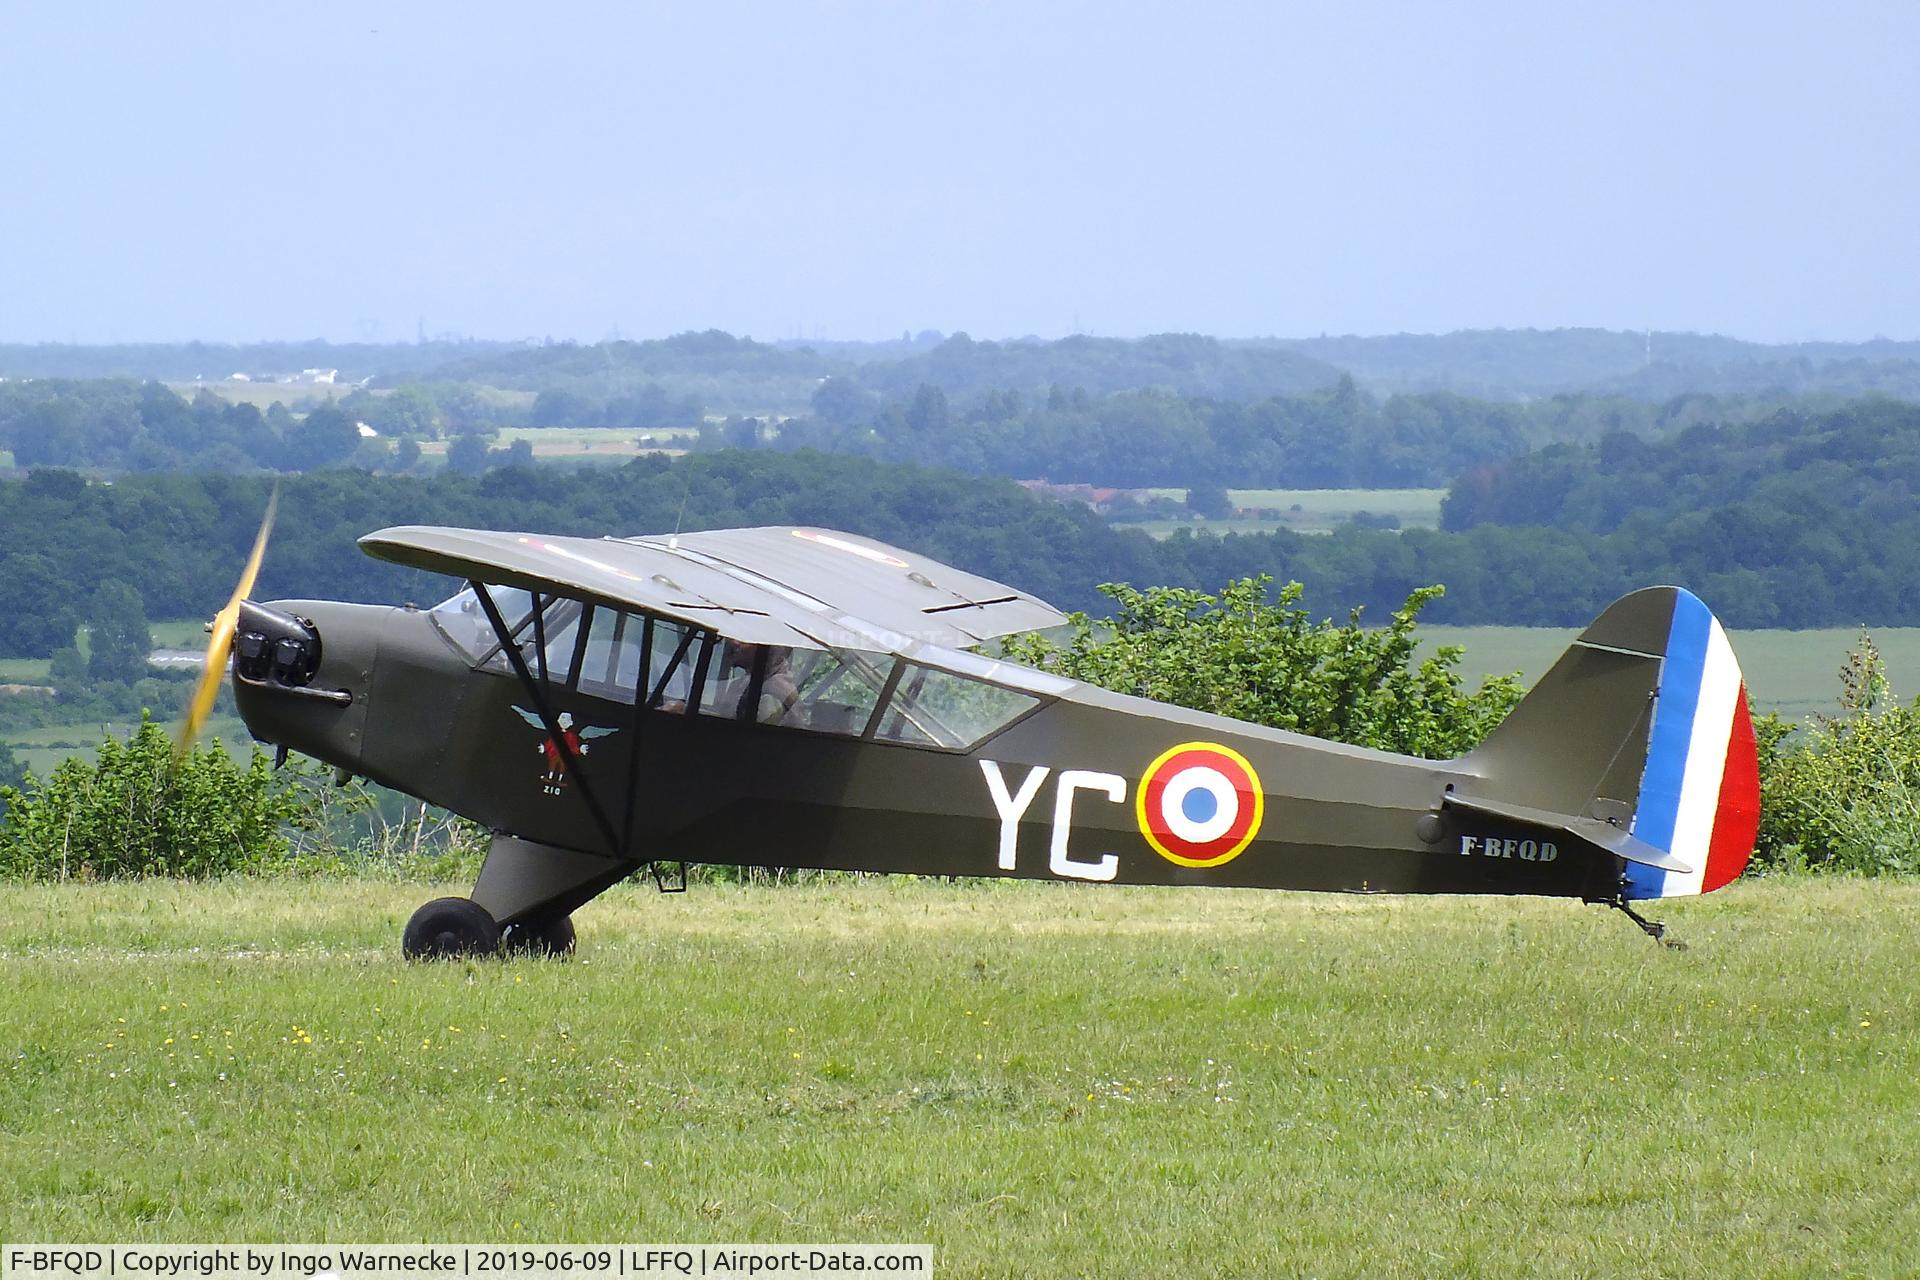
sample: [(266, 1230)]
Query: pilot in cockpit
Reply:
[(779, 692)]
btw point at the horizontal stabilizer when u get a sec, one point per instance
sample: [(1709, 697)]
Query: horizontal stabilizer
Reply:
[(1614, 839)]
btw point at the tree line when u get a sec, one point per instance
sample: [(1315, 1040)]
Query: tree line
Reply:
[(118, 424), (1799, 520), (1339, 437)]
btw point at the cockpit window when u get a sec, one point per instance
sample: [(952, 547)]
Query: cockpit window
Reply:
[(462, 620), (932, 708), (672, 664), (610, 665), (729, 684), (560, 621), (826, 690), (949, 701)]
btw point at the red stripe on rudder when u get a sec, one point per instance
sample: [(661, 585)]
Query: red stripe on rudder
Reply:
[(1737, 820)]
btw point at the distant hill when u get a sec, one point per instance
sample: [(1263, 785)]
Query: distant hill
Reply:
[(186, 361), (732, 374), (1798, 519), (1186, 363), (1517, 363), (738, 375), (1802, 375), (722, 372), (708, 352)]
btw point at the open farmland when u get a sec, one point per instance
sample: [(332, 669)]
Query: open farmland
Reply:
[(1114, 1081), (24, 670), (584, 444), (1307, 510), (1796, 673)]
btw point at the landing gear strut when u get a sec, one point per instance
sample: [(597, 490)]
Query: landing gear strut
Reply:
[(450, 929)]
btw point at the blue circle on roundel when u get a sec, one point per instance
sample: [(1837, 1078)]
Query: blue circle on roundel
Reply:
[(1199, 804)]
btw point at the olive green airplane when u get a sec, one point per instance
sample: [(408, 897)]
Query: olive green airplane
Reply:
[(798, 697)]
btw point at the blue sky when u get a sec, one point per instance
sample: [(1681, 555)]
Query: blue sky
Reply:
[(854, 170)]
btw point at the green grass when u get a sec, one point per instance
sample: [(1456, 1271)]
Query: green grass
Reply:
[(1793, 672), (1307, 510), (589, 444), (1415, 507), (1039, 1079), (23, 670), (43, 749), (180, 633)]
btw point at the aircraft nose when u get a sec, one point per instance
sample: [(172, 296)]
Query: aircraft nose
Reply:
[(301, 671)]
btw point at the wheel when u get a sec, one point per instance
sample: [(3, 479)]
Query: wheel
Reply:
[(448, 929), (552, 937)]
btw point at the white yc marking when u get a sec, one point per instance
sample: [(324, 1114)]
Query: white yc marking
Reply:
[(1011, 807), (1063, 863)]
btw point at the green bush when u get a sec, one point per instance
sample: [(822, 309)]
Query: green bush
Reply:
[(1240, 654), (366, 831), (12, 772), (137, 810), (1844, 794)]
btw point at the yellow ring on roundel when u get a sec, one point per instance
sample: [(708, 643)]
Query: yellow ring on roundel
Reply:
[(1167, 843)]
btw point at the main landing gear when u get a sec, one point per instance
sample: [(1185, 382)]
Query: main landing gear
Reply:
[(459, 928), (533, 888)]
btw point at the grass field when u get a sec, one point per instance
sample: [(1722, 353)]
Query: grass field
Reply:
[(24, 670), (1793, 672), (1039, 1079), (179, 633), (589, 444), (1308, 510), (41, 750)]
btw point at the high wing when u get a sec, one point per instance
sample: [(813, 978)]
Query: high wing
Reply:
[(787, 585)]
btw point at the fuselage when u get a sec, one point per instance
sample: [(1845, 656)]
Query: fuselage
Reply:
[(675, 745)]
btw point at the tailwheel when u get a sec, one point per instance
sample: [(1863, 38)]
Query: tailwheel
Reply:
[(450, 929), (551, 937)]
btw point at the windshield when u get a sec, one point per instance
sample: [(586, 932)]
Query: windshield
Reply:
[(462, 620)]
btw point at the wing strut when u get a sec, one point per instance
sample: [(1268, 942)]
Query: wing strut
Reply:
[(568, 761), (644, 702)]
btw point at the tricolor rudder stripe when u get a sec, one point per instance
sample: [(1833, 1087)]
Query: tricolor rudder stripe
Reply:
[(1700, 792)]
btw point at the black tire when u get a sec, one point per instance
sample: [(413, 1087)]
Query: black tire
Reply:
[(450, 929), (551, 938)]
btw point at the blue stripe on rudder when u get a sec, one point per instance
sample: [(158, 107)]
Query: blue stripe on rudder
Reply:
[(1681, 674)]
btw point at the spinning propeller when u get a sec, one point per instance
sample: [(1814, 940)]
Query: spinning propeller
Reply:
[(221, 631)]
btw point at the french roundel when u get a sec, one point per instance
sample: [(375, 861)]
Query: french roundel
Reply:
[(1200, 804)]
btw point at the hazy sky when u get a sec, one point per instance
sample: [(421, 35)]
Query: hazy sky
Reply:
[(177, 170)]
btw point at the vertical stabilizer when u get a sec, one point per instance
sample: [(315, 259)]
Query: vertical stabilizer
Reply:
[(1642, 723), (1700, 791)]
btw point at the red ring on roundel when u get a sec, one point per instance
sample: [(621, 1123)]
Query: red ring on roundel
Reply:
[(1150, 810)]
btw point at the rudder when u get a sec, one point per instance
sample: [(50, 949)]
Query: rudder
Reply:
[(1642, 724)]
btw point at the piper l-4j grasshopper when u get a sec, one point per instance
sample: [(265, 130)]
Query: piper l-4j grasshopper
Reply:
[(797, 697)]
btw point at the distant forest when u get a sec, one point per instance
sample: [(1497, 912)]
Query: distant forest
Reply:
[(1338, 436), (1795, 520), (1785, 501), (730, 374)]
